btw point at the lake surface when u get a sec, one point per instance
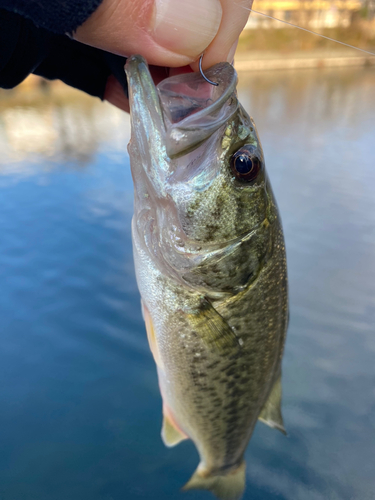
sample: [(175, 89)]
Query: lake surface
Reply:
[(80, 409)]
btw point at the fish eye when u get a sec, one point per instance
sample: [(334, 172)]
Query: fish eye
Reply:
[(245, 164)]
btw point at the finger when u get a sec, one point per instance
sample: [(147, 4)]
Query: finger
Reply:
[(222, 48), (114, 94), (168, 33), (114, 91)]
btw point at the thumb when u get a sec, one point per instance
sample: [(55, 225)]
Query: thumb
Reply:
[(168, 33)]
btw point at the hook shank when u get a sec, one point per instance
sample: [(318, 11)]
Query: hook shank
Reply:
[(204, 76)]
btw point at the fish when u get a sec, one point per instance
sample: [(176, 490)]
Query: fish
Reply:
[(210, 264)]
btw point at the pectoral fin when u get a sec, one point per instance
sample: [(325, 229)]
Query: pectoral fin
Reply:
[(271, 411), (213, 328), (170, 432)]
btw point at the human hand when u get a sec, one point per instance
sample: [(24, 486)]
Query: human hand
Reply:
[(169, 34)]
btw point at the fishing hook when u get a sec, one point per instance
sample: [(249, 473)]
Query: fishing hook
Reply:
[(204, 76)]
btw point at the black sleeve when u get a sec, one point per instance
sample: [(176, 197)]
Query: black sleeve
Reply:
[(58, 16), (25, 49)]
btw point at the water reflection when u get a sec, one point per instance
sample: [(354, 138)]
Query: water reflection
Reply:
[(75, 130), (310, 96), (64, 132), (316, 129), (80, 406)]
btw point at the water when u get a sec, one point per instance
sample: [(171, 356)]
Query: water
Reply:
[(80, 410)]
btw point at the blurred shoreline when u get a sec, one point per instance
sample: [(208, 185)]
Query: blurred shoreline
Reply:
[(36, 90), (270, 60), (52, 123), (263, 48), (293, 48)]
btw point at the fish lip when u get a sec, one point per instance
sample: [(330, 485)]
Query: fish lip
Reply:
[(150, 163), (143, 91)]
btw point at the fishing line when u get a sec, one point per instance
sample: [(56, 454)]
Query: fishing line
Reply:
[(305, 29)]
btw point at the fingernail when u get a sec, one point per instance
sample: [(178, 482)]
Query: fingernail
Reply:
[(186, 26), (230, 57)]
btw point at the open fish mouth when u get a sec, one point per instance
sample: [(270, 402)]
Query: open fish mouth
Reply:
[(185, 109)]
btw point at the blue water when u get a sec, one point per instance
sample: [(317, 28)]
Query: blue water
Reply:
[(80, 410)]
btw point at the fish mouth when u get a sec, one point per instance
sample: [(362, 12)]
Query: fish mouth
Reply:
[(184, 109)]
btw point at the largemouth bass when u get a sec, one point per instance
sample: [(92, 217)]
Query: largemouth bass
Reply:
[(211, 268)]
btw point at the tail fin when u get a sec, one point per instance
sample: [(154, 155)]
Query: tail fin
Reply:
[(225, 487)]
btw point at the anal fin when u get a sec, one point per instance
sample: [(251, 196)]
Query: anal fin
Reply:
[(170, 433), (271, 411)]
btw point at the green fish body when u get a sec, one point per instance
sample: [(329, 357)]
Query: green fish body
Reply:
[(211, 267)]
